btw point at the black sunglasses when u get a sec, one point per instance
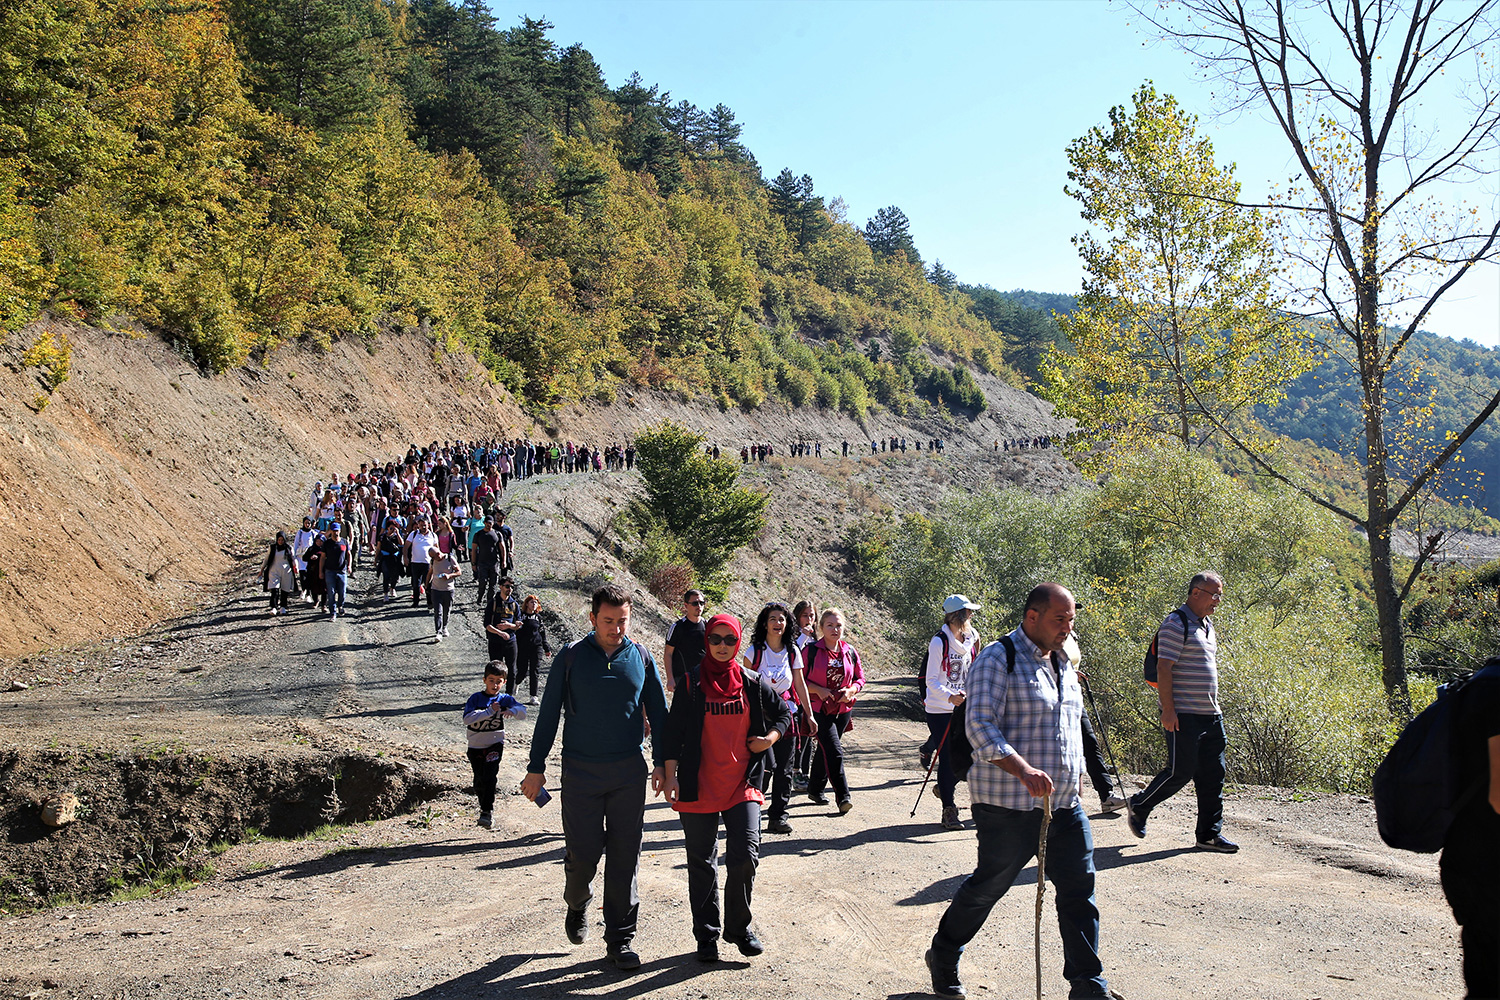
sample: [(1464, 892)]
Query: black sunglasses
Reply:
[(697, 604), (722, 640)]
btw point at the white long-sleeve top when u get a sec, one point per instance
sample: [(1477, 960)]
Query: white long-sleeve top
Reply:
[(947, 678), (300, 545)]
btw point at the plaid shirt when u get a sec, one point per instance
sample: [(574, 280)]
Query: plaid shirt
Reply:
[(1023, 713)]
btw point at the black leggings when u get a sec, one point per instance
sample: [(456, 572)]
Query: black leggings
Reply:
[(782, 752), (278, 599), (828, 761), (486, 764), (528, 663)]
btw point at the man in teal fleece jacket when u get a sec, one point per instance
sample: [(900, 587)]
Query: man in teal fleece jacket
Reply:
[(604, 688)]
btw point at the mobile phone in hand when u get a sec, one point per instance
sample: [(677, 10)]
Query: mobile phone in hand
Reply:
[(542, 797)]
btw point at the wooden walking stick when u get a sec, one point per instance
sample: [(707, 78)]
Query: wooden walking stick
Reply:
[(1041, 885)]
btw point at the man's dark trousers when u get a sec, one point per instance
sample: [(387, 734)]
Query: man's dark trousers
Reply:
[(603, 810), (1195, 752), (1007, 843)]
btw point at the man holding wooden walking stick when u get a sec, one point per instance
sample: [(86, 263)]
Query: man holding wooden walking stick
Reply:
[(1023, 718)]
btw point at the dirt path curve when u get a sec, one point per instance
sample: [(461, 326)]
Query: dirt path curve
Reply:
[(1313, 908)]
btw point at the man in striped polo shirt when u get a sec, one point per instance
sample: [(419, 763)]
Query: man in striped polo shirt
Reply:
[(1187, 684)]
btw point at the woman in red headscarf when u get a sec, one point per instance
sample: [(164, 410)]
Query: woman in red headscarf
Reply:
[(716, 745)]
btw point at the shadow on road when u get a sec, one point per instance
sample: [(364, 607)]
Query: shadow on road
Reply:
[(509, 976), (380, 857)]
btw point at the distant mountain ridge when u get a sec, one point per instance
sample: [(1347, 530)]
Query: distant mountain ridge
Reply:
[(1322, 407)]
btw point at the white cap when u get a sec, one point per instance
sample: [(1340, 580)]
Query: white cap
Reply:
[(958, 602)]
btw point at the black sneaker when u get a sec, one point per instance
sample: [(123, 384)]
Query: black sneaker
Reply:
[(945, 981), (749, 945), (708, 951), (1134, 820), (817, 798), (780, 825), (624, 958), (926, 759), (1219, 844), (577, 925)]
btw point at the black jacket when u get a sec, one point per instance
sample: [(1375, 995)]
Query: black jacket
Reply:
[(683, 740)]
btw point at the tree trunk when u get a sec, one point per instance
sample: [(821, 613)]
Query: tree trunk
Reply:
[(1388, 613), (1378, 522)]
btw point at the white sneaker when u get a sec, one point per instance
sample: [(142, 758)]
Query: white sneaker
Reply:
[(534, 700), (439, 637)]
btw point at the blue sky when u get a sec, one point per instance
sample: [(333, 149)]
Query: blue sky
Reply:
[(958, 112)]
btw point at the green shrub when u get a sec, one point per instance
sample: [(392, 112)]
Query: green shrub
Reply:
[(1300, 692), (694, 500)]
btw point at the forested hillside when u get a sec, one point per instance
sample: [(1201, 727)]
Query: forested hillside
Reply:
[(1438, 391), (233, 175)]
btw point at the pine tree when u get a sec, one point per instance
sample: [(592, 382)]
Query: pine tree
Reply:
[(723, 134), (579, 82), (310, 61), (940, 276), (888, 234)]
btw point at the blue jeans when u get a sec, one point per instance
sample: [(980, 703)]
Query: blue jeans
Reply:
[(1195, 752), (1007, 843), (337, 584)]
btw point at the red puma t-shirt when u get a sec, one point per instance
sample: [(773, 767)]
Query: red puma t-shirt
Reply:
[(725, 759)]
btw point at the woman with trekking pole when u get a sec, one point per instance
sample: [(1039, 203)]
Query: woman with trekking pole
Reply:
[(949, 655)]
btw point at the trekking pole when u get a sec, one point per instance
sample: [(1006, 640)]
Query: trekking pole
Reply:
[(931, 764), (1041, 886), (1118, 779)]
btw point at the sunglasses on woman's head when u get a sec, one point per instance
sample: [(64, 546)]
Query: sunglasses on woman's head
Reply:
[(721, 640)]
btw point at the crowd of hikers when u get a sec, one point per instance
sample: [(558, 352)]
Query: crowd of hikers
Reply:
[(737, 724)]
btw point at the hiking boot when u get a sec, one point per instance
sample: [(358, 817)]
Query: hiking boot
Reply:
[(945, 981), (780, 825), (485, 820), (1134, 820), (623, 957), (1111, 803), (845, 804), (708, 951), (576, 925), (950, 818), (1218, 844), (817, 798), (749, 945)]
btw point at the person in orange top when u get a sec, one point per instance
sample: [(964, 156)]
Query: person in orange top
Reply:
[(724, 720)]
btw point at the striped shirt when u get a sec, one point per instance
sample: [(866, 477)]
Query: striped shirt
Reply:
[(1195, 663), (1032, 712)]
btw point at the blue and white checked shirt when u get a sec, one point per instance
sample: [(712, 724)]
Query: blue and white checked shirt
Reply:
[(1026, 712)]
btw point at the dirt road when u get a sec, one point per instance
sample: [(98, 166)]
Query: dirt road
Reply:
[(430, 905)]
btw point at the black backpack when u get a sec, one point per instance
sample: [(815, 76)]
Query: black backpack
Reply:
[(921, 676), (1416, 786), (1148, 669)]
